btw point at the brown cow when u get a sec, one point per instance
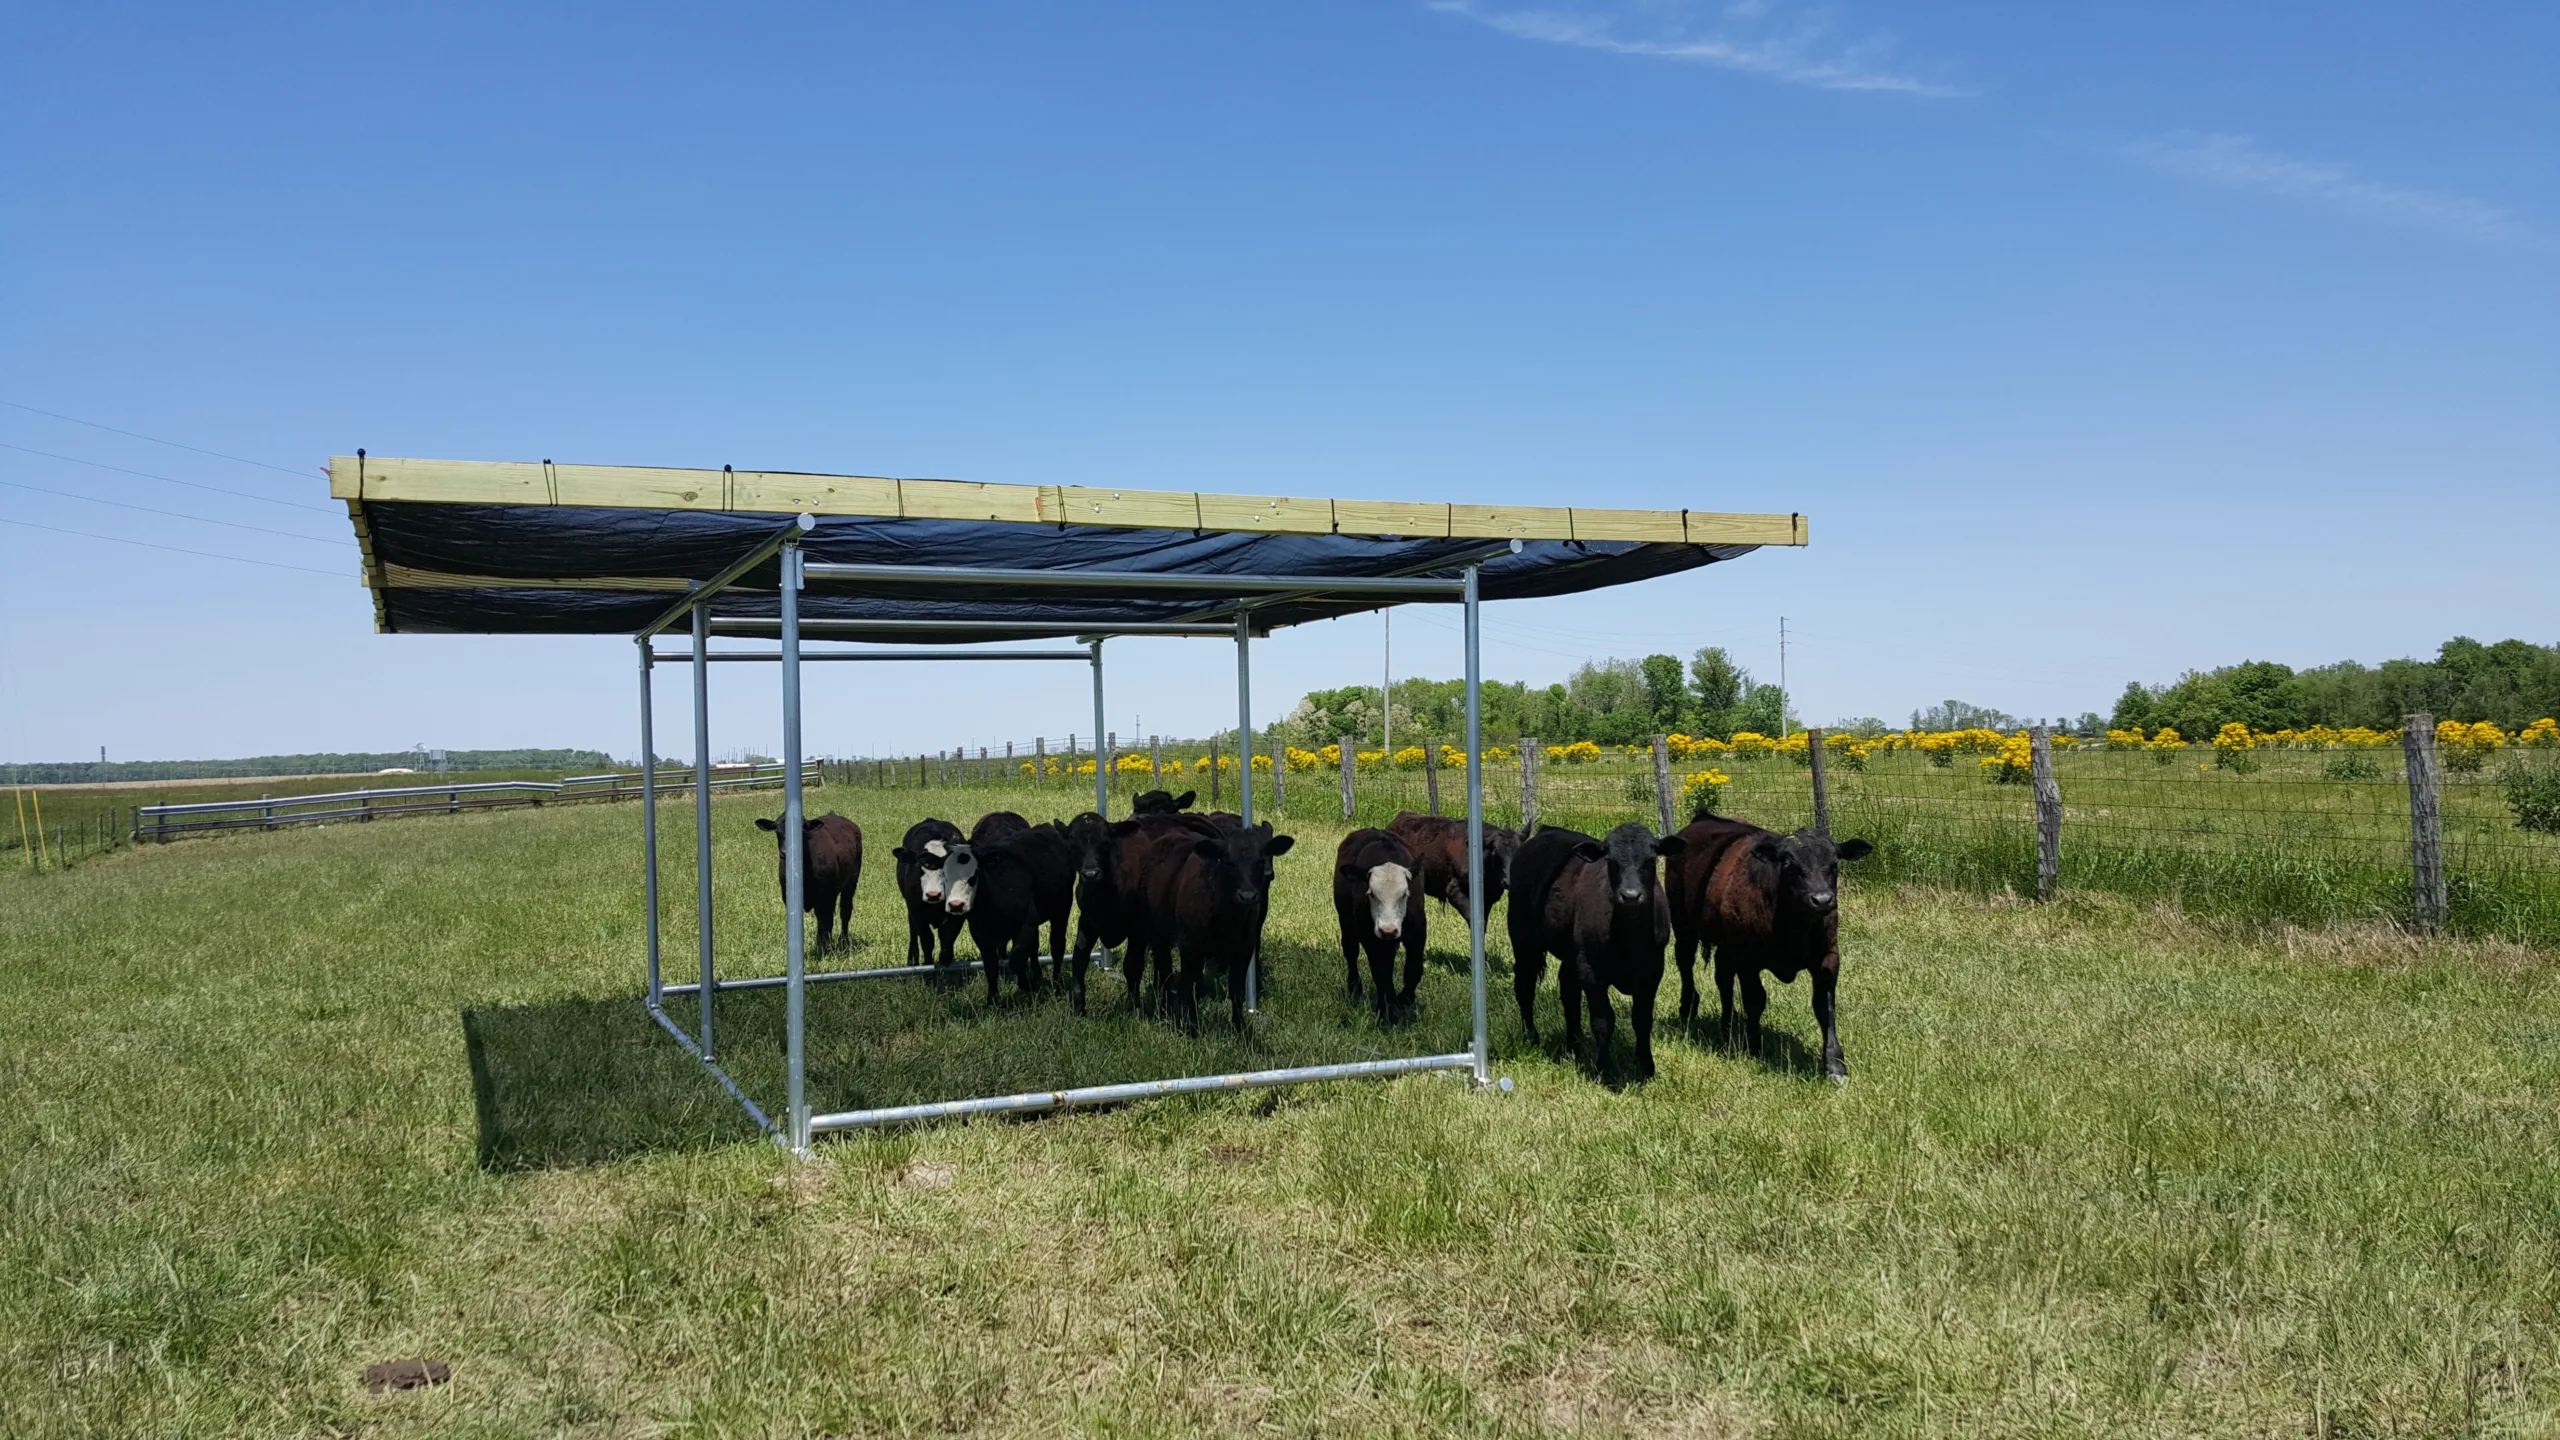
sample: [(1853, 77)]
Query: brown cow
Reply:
[(1439, 846), (1207, 900), (1378, 908), (1761, 901), (1595, 906), (831, 866)]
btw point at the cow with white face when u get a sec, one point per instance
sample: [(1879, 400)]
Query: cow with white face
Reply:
[(921, 884), (1379, 906)]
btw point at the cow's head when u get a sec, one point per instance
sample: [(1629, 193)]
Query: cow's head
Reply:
[(1093, 839), (1807, 868), (928, 863), (808, 826), (1240, 863), (959, 872), (1628, 851), (1501, 846), (1390, 889), (1162, 802)]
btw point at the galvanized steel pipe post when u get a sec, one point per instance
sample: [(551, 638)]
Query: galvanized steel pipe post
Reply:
[(1475, 824), (794, 865), (702, 809)]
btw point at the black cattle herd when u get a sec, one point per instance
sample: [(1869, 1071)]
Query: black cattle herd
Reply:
[(1169, 884)]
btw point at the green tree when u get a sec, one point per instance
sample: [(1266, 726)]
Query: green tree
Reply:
[(1665, 696)]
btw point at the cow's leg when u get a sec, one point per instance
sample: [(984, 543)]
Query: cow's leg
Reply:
[(1826, 982), (1186, 991), (1724, 999), (1642, 1005), (949, 926), (1236, 962), (1528, 967), (1382, 974), (1057, 952), (1026, 955), (1755, 999), (1604, 1026), (990, 960), (844, 914), (1412, 942), (1352, 944), (916, 929), (1684, 946), (1569, 990)]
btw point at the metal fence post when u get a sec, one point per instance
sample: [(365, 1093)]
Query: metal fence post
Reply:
[(1821, 782), (1101, 770), (2048, 813), (648, 822), (1350, 759), (702, 813), (795, 865), (1431, 776), (2430, 904), (1244, 774), (1475, 833), (1530, 755), (1663, 799)]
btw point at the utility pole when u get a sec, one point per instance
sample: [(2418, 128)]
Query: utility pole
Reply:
[(1387, 684), (1783, 731)]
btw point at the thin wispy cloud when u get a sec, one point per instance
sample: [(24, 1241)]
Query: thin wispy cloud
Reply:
[(2235, 162), (1749, 36)]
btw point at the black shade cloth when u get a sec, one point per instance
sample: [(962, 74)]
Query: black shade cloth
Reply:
[(448, 568)]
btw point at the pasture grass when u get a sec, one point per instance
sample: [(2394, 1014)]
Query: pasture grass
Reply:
[(274, 1107)]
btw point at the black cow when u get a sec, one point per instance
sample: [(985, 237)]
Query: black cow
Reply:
[(997, 825), (1378, 907), (1439, 846), (1112, 860), (920, 878), (1595, 905), (1207, 900), (830, 869), (1007, 889), (1761, 901), (1162, 802)]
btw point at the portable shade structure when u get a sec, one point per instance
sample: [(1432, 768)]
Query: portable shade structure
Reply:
[(527, 548)]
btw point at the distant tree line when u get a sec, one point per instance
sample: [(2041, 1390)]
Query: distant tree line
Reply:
[(2511, 684), (91, 772), (1611, 702)]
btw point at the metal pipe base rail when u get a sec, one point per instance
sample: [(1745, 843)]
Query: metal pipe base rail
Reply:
[(1039, 1100), (775, 982), (763, 1122)]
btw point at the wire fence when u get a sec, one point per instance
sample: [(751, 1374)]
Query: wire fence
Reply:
[(2310, 832)]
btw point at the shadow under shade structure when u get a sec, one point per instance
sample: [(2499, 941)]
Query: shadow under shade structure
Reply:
[(575, 1082)]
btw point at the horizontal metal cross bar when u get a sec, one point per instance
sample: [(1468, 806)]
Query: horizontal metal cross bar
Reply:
[(753, 1112), (728, 576), (995, 630), (776, 982), (1136, 581), (664, 657), (1135, 1090)]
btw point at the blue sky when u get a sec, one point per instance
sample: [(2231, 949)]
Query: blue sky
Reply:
[(2097, 343)]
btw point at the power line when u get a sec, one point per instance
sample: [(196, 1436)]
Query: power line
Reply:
[(174, 514), (166, 479), (154, 439), (175, 549)]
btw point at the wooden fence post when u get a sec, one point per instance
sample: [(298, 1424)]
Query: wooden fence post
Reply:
[(2430, 904), (1215, 775), (2048, 813), (1155, 759), (1279, 773), (1530, 754), (1821, 782), (1431, 775), (1040, 759), (1350, 745), (1663, 799)]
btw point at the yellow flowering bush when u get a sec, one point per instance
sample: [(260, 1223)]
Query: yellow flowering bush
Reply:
[(2468, 747), (1751, 744), (2166, 745), (1580, 752), (2543, 732), (2014, 762), (1851, 755), (1134, 763), (2232, 745), (1309, 759), (1698, 792)]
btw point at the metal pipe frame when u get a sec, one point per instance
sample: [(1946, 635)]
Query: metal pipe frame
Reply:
[(702, 814), (1141, 581), (649, 820), (997, 631), (1244, 781), (1481, 1068), (1036, 1100), (730, 573), (799, 1126), (795, 844), (876, 655)]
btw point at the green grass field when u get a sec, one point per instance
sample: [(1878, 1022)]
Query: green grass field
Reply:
[(277, 1106)]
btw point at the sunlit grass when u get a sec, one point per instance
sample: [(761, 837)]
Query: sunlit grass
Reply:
[(2099, 1170)]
